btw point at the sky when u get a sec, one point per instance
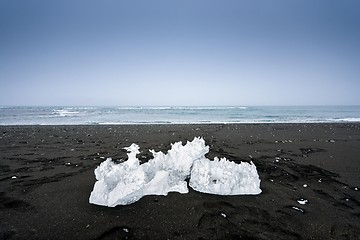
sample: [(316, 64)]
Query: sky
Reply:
[(179, 52)]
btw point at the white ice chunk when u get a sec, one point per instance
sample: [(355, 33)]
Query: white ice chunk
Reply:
[(302, 201), (224, 177), (127, 182), (298, 209)]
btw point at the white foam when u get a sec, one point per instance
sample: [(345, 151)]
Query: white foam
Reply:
[(127, 182), (183, 108), (350, 119), (65, 112)]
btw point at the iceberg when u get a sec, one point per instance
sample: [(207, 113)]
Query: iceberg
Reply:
[(127, 182)]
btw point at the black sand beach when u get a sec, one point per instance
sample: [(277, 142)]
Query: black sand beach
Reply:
[(46, 176)]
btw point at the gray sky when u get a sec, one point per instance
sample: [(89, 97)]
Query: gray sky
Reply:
[(186, 52)]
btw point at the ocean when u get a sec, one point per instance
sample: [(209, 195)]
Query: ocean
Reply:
[(176, 115)]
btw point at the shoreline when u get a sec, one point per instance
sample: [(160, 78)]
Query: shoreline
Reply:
[(53, 168)]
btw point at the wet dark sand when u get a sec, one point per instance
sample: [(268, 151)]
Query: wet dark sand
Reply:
[(46, 176)]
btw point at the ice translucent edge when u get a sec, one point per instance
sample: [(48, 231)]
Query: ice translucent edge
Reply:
[(127, 182)]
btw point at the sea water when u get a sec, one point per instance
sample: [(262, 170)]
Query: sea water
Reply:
[(176, 115)]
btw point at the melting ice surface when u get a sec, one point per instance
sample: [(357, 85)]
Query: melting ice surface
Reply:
[(223, 177), (127, 182)]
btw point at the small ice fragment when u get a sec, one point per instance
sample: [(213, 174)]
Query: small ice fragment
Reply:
[(356, 189), (271, 180), (302, 201), (305, 185), (319, 180), (13, 177), (298, 209), (67, 163), (72, 149), (102, 157), (223, 215), (126, 230), (347, 199)]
